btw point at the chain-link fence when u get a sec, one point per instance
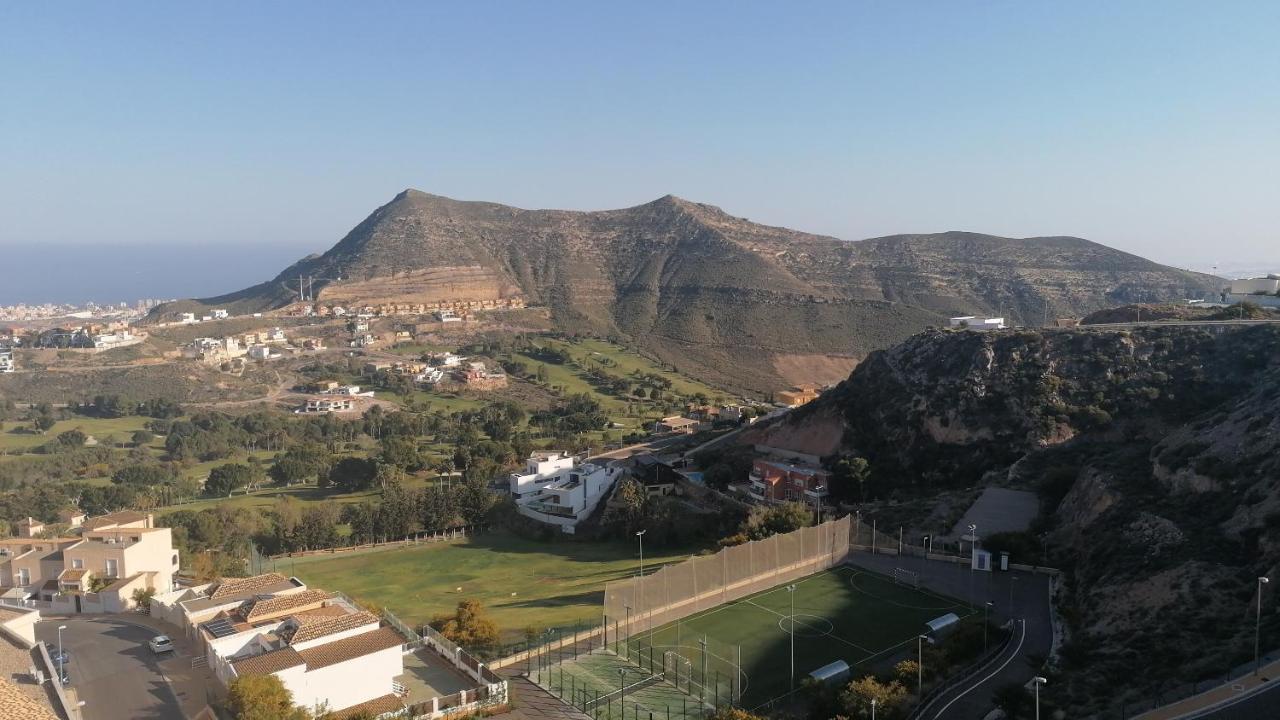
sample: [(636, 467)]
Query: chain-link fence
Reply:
[(682, 589)]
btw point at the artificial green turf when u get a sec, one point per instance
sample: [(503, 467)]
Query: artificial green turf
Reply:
[(842, 614)]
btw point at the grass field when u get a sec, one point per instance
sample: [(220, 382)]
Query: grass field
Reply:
[(14, 439), (521, 582), (845, 614)]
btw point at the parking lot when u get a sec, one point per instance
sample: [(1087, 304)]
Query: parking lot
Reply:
[(113, 672)]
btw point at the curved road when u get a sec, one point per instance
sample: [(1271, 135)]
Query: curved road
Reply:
[(1021, 595), (112, 670)]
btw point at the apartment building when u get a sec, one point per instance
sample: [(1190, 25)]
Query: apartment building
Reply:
[(97, 571), (775, 481), (6, 361)]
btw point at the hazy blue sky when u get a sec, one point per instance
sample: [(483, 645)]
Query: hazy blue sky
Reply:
[(1149, 126)]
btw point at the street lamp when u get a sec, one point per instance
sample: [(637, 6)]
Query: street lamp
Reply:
[(1257, 626), (920, 664), (985, 626), (62, 658), (1038, 681), (640, 537), (791, 590), (873, 709), (817, 501)]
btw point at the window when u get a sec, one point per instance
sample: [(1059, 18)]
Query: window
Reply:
[(111, 568), (77, 563), (24, 576), (175, 558)]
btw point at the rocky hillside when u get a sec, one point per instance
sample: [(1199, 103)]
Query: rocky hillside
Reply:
[(737, 303), (1156, 453)]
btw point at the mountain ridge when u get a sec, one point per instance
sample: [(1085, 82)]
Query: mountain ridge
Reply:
[(691, 283)]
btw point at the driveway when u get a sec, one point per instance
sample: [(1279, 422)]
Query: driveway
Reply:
[(112, 670)]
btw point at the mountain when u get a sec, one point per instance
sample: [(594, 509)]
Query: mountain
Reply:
[(1155, 453), (741, 304)]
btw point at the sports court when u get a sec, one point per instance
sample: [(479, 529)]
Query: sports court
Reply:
[(842, 613)]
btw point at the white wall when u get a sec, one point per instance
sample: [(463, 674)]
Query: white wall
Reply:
[(345, 684)]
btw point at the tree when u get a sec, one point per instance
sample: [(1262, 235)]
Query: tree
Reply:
[(353, 473), (148, 475), (890, 697), (72, 439), (262, 697), (470, 626), (142, 596), (907, 671), (226, 479), (142, 437)]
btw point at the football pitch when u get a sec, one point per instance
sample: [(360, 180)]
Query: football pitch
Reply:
[(848, 614)]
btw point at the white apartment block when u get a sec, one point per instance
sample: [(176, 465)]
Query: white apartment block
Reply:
[(6, 361)]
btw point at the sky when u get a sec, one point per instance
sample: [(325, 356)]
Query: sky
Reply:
[(1153, 127)]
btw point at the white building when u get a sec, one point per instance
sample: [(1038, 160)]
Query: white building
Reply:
[(326, 406), (1259, 291), (447, 360), (220, 314), (6, 361), (540, 469), (120, 338), (568, 496), (971, 322), (274, 335), (187, 317), (430, 377), (260, 352), (447, 316)]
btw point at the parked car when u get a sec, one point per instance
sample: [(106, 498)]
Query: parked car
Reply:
[(160, 644), (60, 657)]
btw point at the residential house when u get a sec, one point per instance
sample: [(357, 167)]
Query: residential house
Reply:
[(569, 495), (275, 335), (261, 352), (187, 608), (447, 316), (326, 405), (6, 361), (187, 318), (676, 425), (72, 518), (773, 481), (657, 477), (981, 324), (479, 377), (797, 395), (220, 314), (30, 527), (430, 376), (540, 469)]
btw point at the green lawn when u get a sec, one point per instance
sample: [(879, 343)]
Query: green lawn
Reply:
[(99, 428), (521, 582)]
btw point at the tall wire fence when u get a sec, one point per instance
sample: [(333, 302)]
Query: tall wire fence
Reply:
[(682, 589)]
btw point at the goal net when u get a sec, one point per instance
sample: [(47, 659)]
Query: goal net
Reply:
[(902, 576)]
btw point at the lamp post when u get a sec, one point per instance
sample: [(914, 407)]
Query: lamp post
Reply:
[(817, 501), (873, 709), (622, 689), (985, 626), (62, 658), (920, 664), (1038, 681), (640, 537), (791, 590), (1257, 625), (973, 552)]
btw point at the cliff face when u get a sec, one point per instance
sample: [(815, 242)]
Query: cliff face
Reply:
[(1156, 454), (732, 301)]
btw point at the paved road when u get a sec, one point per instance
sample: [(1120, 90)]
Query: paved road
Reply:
[(112, 670), (1027, 598), (1262, 705)]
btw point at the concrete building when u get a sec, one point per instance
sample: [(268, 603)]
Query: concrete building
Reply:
[(6, 361), (95, 572), (973, 322), (798, 395), (676, 425), (326, 405), (540, 469), (773, 481), (570, 496)]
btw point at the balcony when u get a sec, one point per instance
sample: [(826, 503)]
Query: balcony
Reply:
[(817, 493), (757, 495)]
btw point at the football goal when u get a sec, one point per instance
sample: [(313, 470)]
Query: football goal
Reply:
[(902, 576)]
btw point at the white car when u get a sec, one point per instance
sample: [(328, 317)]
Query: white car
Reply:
[(160, 644)]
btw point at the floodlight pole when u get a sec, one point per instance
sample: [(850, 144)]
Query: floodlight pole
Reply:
[(973, 553), (1257, 625), (791, 590), (1038, 681)]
